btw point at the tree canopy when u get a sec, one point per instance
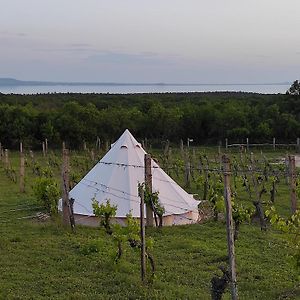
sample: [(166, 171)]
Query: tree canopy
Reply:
[(205, 117)]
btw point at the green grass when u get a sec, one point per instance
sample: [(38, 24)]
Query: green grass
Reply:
[(46, 261)]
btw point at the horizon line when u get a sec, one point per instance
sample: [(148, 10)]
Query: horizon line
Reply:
[(6, 81)]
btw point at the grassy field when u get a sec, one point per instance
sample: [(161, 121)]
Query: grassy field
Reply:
[(46, 261)]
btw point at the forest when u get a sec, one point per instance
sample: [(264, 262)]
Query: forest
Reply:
[(208, 118)]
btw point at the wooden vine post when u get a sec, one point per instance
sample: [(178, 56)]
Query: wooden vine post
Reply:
[(257, 203), (6, 162), (67, 211), (142, 233), (98, 143), (252, 158), (93, 155), (292, 175), (46, 146), (286, 165), (206, 182), (229, 227), (181, 148), (44, 149), (65, 189), (22, 169), (148, 186), (106, 146), (187, 169)]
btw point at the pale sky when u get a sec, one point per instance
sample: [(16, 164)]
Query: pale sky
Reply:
[(187, 41)]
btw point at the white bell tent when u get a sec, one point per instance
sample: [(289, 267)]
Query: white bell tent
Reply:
[(116, 177)]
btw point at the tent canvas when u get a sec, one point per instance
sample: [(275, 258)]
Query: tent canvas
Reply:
[(116, 177)]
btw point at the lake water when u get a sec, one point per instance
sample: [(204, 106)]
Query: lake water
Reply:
[(130, 89)]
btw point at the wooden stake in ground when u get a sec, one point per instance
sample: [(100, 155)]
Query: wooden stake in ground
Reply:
[(187, 165), (142, 233), (46, 146), (257, 203), (106, 146), (44, 149), (167, 147), (229, 227), (292, 183), (98, 143), (252, 158), (206, 182), (181, 148), (6, 160), (67, 211), (22, 169), (148, 186), (93, 155)]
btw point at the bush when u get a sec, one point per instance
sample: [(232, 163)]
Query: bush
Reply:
[(47, 193), (105, 212)]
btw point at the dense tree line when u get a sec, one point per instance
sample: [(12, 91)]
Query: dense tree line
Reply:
[(206, 117)]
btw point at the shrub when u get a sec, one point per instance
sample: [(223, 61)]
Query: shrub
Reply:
[(47, 193), (105, 212)]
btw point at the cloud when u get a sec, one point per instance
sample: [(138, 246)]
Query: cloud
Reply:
[(142, 58), (10, 34), (21, 34), (71, 48), (68, 49), (79, 45), (262, 56)]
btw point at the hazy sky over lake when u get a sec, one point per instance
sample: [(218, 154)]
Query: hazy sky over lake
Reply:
[(203, 41)]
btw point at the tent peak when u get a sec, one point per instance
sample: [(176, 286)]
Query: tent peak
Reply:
[(127, 140)]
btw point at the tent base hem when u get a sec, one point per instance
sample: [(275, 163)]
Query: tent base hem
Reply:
[(190, 217)]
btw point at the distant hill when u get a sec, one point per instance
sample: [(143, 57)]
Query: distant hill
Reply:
[(16, 82), (9, 81)]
